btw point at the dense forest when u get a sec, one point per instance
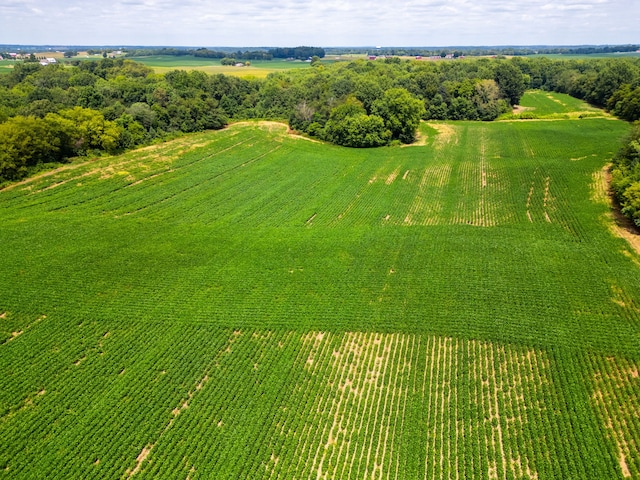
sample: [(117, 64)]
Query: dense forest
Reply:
[(54, 112), (300, 53)]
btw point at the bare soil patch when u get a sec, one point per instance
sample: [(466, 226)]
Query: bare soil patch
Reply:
[(264, 124), (292, 134), (446, 134), (55, 171), (519, 109), (420, 141), (141, 458)]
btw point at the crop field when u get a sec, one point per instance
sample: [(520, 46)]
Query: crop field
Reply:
[(249, 303), (555, 105), (258, 68)]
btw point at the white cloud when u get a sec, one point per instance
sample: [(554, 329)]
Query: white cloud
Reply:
[(319, 22)]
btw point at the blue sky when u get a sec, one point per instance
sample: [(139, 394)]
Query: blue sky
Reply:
[(326, 23)]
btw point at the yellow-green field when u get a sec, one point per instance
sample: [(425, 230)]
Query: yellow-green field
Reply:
[(258, 68)]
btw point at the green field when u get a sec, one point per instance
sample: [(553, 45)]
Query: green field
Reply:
[(251, 304), (6, 65), (258, 68), (166, 63), (557, 105)]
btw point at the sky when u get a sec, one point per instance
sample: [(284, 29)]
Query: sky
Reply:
[(326, 23)]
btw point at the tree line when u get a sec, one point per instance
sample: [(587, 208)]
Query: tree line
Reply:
[(299, 53), (484, 51)]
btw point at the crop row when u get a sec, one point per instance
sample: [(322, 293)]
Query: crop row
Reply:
[(616, 398), (240, 176), (142, 400)]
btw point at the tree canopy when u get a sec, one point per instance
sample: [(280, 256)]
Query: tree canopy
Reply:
[(115, 104)]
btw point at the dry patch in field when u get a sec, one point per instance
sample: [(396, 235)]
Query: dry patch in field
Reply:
[(600, 186), (269, 126), (426, 208), (142, 456), (361, 391), (557, 100), (44, 175), (16, 333), (139, 161), (622, 299), (275, 127), (479, 185), (420, 141), (446, 134), (392, 176), (302, 137), (616, 397), (540, 201), (519, 109)]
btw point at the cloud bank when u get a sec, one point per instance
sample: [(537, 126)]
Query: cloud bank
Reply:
[(319, 22)]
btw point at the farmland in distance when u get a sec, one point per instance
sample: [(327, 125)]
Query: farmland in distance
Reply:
[(258, 68), (251, 304)]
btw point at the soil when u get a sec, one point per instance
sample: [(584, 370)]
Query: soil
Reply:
[(519, 109), (141, 458)]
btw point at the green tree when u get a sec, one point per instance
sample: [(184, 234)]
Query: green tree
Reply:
[(510, 82), (142, 113), (625, 176), (401, 113), (625, 103), (359, 130), (349, 125), (29, 141), (90, 130)]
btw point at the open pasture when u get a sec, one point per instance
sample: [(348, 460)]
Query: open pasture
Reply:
[(252, 304)]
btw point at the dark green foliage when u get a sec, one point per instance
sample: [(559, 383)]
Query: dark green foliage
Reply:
[(300, 53), (401, 113), (510, 81), (625, 102), (626, 176), (349, 125)]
